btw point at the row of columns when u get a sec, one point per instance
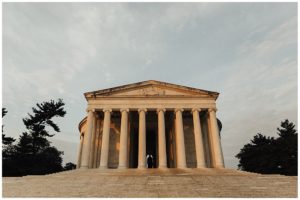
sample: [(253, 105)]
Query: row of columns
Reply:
[(162, 155)]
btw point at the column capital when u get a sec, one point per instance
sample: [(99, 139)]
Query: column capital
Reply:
[(107, 110), (160, 109), (90, 109), (124, 109), (178, 109), (196, 109), (212, 109), (142, 109)]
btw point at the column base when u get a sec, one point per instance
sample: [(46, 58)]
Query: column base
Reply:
[(162, 167), (83, 167), (122, 167), (102, 167), (142, 167), (219, 167), (181, 167), (201, 167)]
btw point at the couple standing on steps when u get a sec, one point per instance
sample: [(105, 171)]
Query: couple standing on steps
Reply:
[(150, 161)]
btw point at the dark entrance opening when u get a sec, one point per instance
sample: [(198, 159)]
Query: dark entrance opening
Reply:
[(151, 148), (151, 139), (134, 139)]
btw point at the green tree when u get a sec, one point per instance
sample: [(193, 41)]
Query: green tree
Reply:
[(219, 126), (33, 153), (287, 148), (267, 155), (8, 150), (69, 166), (7, 142), (42, 117)]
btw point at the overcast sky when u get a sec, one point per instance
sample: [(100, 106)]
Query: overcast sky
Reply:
[(245, 51)]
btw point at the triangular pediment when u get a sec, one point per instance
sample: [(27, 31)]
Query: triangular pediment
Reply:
[(152, 89)]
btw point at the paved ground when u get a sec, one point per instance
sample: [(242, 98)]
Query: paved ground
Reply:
[(151, 183)]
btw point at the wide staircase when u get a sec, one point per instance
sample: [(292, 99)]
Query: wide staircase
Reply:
[(151, 183)]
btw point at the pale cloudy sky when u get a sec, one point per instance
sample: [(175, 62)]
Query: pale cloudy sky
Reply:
[(245, 51)]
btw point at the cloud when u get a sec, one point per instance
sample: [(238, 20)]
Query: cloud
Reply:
[(262, 89)]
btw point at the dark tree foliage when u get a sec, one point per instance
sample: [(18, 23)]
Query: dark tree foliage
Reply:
[(219, 126), (6, 140), (267, 155), (7, 148), (4, 111), (42, 117), (33, 153), (287, 150), (69, 166)]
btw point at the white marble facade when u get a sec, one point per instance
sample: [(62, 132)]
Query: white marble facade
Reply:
[(150, 124)]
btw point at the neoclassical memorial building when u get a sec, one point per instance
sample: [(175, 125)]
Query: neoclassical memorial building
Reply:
[(171, 126)]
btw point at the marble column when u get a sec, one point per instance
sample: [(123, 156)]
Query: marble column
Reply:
[(180, 146), (162, 154), (198, 139), (87, 141), (96, 143), (100, 125), (123, 163), (92, 150), (216, 143), (105, 139), (80, 151), (142, 138)]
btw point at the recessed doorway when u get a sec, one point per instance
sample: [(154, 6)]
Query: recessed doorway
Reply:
[(151, 148)]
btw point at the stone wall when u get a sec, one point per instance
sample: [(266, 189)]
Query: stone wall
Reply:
[(114, 143), (99, 142), (170, 139), (189, 141), (205, 129)]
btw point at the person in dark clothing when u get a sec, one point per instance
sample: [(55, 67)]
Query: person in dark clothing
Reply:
[(150, 161)]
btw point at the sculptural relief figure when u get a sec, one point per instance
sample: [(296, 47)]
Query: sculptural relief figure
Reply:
[(153, 91)]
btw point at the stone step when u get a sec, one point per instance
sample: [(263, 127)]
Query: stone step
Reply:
[(151, 183)]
